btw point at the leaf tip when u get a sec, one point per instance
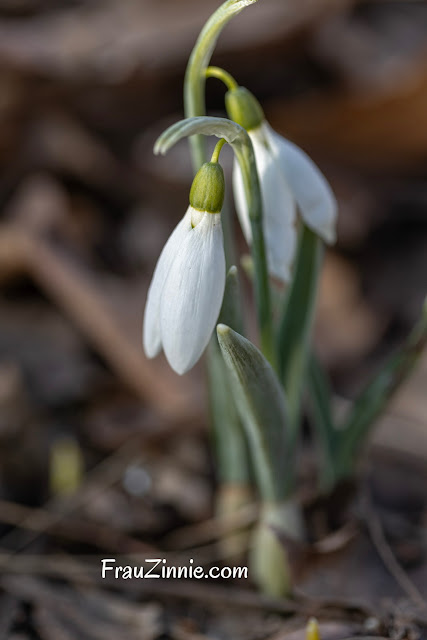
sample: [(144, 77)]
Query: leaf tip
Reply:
[(222, 330), (158, 148)]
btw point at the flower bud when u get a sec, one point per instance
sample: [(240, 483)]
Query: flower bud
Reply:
[(208, 188), (244, 108)]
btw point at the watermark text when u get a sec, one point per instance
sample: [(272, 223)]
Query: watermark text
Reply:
[(158, 568)]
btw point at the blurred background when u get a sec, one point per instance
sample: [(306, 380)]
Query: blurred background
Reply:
[(101, 450)]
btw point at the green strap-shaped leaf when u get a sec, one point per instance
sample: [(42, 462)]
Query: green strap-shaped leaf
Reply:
[(228, 435), (296, 324), (230, 441), (320, 408), (262, 407), (231, 309), (373, 400)]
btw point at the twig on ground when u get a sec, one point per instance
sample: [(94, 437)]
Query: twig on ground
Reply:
[(386, 554), (196, 592), (77, 293), (104, 475), (212, 529), (41, 521)]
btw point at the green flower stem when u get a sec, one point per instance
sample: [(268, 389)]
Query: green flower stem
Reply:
[(238, 139), (195, 76), (194, 105), (232, 455), (296, 325), (219, 145), (246, 159), (224, 76), (373, 400)]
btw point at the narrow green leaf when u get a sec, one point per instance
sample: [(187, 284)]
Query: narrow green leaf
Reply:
[(229, 438), (231, 310), (262, 408), (376, 395), (320, 407), (296, 324)]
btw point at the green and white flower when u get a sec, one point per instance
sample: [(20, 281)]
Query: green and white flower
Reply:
[(290, 183), (185, 295)]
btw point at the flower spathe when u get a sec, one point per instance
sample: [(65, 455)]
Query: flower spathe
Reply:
[(185, 294), (290, 183)]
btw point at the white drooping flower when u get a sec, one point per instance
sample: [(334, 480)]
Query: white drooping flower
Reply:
[(185, 294), (290, 184)]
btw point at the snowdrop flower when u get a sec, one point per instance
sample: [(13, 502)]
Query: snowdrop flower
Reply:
[(185, 295), (290, 183)]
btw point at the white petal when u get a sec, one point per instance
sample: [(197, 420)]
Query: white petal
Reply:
[(240, 202), (312, 192), (151, 328), (278, 207), (192, 294)]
